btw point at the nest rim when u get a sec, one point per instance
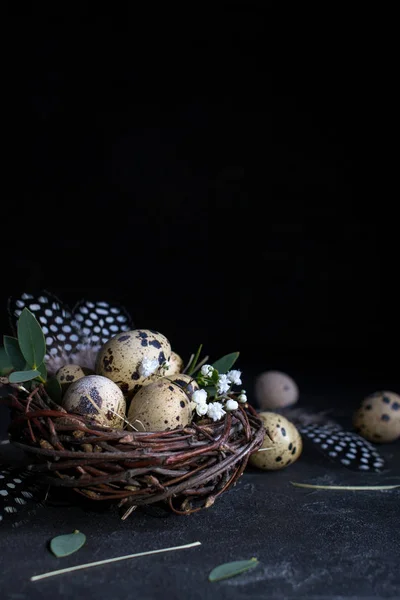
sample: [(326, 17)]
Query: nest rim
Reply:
[(191, 465)]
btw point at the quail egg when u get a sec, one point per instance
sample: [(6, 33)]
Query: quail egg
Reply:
[(282, 444), (97, 397), (126, 357), (378, 417), (70, 373), (160, 406), (171, 371), (175, 365), (186, 382), (274, 389)]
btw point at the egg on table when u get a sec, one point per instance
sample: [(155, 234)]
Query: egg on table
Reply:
[(378, 417), (282, 444), (123, 357), (67, 374), (98, 398), (274, 389), (160, 406)]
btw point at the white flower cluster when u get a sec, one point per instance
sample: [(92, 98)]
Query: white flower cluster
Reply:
[(148, 366), (217, 409)]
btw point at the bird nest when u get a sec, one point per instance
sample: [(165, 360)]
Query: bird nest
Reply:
[(187, 468)]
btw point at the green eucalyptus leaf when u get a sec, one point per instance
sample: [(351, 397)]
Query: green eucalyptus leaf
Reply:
[(231, 569), (31, 339), (196, 357), (224, 364), (43, 371), (5, 363), (64, 545), (21, 376), (53, 388), (11, 346), (211, 390)]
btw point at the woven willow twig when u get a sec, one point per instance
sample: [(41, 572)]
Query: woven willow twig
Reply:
[(187, 467)]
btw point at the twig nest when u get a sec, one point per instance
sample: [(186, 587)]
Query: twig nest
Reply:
[(97, 397), (378, 417), (274, 389), (282, 444), (70, 373), (122, 358), (160, 406)]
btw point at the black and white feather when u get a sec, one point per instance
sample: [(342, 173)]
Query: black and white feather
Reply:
[(20, 496), (72, 336), (339, 445), (346, 447)]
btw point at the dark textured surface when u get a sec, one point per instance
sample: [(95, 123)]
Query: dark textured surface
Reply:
[(310, 544)]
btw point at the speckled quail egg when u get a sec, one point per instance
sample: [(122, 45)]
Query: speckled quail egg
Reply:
[(160, 406), (170, 372), (97, 397), (378, 417), (120, 359), (274, 389), (70, 373), (283, 441), (175, 365), (186, 382)]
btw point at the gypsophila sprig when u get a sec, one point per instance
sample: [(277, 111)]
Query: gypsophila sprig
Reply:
[(216, 396), (148, 366), (223, 384), (207, 370), (234, 377), (215, 411)]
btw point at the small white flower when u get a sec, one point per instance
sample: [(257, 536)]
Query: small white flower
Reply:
[(166, 365), (148, 366), (223, 384), (202, 409), (207, 370), (199, 396), (231, 405), (234, 377), (215, 411), (242, 397)]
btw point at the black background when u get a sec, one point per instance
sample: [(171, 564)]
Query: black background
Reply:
[(212, 170)]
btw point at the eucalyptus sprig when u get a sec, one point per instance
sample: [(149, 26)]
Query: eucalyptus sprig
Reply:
[(22, 357)]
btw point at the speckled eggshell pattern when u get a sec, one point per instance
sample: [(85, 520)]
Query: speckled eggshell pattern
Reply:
[(97, 397), (70, 373), (274, 389), (378, 418), (186, 382), (175, 364), (284, 441), (172, 370), (160, 406), (119, 359)]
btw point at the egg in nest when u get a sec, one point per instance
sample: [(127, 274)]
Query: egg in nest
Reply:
[(67, 374), (96, 397), (120, 358), (160, 406)]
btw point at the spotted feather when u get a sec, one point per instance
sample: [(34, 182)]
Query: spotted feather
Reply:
[(68, 332), (345, 447), (56, 320), (20, 496)]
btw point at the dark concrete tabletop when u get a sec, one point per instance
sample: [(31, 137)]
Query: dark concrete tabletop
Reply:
[(310, 544)]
